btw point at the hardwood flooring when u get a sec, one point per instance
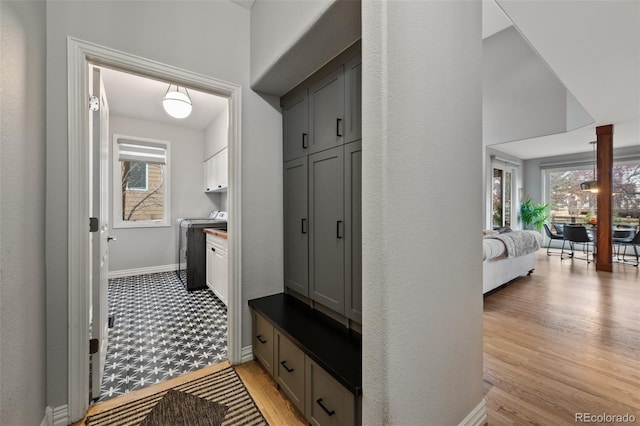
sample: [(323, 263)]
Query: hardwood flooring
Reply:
[(565, 340)]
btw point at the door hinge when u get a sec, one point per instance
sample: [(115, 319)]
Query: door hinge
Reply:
[(93, 346), (93, 224), (94, 103)]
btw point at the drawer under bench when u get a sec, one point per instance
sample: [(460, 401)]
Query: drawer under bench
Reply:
[(314, 360)]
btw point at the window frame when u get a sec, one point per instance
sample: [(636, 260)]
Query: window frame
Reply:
[(118, 222), (514, 170), (547, 169)]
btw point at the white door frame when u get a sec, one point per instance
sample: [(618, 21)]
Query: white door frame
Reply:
[(79, 54)]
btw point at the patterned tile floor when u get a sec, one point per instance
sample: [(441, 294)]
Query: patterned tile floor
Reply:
[(161, 331)]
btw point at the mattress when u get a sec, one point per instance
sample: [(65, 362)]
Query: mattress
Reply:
[(492, 248)]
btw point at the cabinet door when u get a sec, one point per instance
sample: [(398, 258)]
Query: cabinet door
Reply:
[(219, 273), (326, 112), (296, 242), (209, 175), (210, 266), (353, 99), (295, 116), (289, 370), (328, 402), (353, 230), (263, 334), (221, 170), (326, 220)]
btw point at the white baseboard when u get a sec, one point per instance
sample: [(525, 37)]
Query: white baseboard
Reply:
[(477, 417), (247, 354), (47, 420), (56, 416), (142, 271)]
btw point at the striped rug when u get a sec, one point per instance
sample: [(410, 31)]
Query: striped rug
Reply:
[(218, 399)]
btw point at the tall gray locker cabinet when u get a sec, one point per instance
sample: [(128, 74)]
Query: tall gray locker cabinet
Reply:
[(296, 241), (322, 150), (326, 216)]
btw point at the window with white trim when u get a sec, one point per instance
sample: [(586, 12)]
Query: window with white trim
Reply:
[(141, 176)]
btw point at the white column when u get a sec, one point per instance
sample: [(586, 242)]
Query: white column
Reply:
[(422, 212)]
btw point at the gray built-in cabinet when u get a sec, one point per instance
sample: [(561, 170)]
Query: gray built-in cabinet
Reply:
[(322, 186)]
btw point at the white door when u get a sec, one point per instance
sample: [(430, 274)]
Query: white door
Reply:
[(99, 173)]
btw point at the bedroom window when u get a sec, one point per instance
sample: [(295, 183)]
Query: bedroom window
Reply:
[(141, 170)]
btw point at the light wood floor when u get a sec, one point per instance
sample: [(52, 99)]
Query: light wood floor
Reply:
[(565, 340)]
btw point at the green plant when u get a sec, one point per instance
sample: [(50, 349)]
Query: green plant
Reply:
[(533, 215)]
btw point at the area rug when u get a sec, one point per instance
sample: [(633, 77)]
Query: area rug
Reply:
[(219, 399)]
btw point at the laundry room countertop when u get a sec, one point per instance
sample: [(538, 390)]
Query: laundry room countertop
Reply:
[(216, 232)]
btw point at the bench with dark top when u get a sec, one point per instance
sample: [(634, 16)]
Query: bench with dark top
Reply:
[(335, 348)]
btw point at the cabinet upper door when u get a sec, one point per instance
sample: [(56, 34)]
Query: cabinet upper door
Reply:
[(295, 116), (296, 239), (326, 112), (326, 220), (353, 99), (353, 230)]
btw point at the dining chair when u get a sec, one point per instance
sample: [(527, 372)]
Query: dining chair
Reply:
[(553, 236), (633, 242), (577, 234)]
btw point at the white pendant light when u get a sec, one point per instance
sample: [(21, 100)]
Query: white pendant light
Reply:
[(176, 103)]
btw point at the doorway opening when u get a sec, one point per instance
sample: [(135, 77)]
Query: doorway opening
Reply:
[(80, 56), (158, 327)]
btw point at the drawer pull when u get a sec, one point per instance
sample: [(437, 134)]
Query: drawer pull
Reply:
[(260, 339), (326, 410), (286, 367)]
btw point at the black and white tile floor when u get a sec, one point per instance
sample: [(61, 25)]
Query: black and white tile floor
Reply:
[(161, 331)]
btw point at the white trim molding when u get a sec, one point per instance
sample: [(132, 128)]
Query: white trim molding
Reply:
[(477, 417), (56, 416), (247, 354), (79, 55), (141, 271)]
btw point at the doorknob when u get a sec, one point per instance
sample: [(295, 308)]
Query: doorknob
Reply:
[(111, 237)]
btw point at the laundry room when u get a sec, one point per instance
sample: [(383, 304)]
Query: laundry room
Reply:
[(166, 169)]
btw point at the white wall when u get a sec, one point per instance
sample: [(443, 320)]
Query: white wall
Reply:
[(148, 247), (522, 98), (22, 213), (212, 38), (290, 40), (422, 191), (216, 135)]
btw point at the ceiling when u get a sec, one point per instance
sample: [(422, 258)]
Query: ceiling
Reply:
[(593, 47), (599, 64), (138, 97)]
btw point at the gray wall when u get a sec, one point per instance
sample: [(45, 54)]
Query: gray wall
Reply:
[(212, 39), (290, 40), (157, 246), (522, 98), (422, 306), (216, 135), (22, 213)]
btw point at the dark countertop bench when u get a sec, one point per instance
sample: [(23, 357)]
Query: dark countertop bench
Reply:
[(337, 349)]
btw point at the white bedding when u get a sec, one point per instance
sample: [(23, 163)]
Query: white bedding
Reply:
[(492, 248)]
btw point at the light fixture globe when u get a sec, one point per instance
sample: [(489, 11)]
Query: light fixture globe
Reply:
[(176, 103)]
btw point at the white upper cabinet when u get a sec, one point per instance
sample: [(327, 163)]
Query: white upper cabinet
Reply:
[(216, 172)]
